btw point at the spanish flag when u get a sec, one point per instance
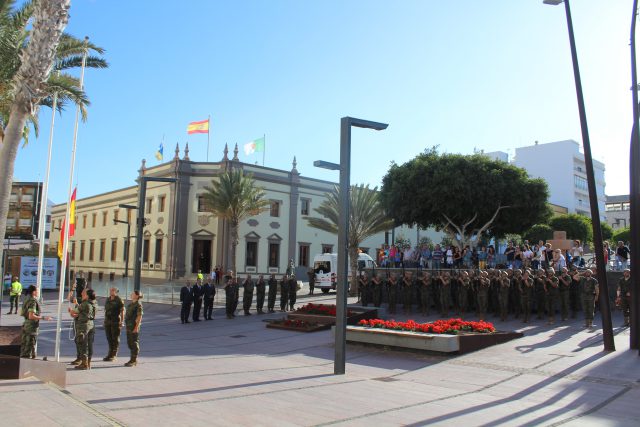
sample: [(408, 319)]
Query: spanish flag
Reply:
[(72, 223), (198, 127)]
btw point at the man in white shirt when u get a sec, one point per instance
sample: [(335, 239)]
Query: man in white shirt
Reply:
[(576, 253)]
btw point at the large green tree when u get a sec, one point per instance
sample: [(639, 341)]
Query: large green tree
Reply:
[(469, 197), (577, 226), (621, 235), (34, 57), (234, 197), (537, 233), (366, 218)]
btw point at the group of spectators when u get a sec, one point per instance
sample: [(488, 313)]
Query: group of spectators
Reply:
[(537, 256)]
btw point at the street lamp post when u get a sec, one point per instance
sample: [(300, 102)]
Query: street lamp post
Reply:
[(343, 233), (142, 195), (634, 192), (607, 329), (126, 248)]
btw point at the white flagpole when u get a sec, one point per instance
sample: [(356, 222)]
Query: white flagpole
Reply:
[(43, 204), (65, 240), (264, 146), (208, 132)]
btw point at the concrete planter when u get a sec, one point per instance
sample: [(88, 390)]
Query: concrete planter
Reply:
[(13, 367), (278, 324), (359, 313), (439, 343)]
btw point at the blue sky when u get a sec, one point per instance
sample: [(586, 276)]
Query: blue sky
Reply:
[(461, 74)]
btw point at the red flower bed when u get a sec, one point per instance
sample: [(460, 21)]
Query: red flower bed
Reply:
[(321, 310), (450, 327)]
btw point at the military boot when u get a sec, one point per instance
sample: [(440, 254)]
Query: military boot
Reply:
[(84, 364), (108, 357), (132, 362), (77, 361), (88, 363)]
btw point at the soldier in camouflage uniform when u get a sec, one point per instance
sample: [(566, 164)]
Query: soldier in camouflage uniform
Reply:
[(424, 283), (230, 287), (363, 285), (552, 290), (273, 292), (85, 313), (589, 290), (293, 291), (565, 293), (132, 319), (113, 321), (526, 295), (392, 290), (623, 294), (482, 294), (32, 316), (260, 290), (407, 291), (247, 296), (504, 286)]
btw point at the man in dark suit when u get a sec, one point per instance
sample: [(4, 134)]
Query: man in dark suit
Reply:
[(196, 291), (186, 299), (208, 292)]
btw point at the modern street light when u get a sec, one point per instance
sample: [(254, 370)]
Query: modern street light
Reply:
[(142, 198), (126, 248), (607, 329), (634, 191), (343, 232)]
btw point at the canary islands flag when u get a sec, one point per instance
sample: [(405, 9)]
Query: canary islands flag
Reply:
[(159, 153), (198, 127), (254, 146)]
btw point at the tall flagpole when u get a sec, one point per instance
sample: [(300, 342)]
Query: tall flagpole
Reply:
[(43, 204), (264, 146), (65, 239), (208, 131)]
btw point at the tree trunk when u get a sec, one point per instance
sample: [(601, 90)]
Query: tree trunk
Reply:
[(233, 244), (353, 263), (50, 19)]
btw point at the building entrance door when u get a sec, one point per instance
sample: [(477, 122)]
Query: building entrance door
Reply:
[(201, 256)]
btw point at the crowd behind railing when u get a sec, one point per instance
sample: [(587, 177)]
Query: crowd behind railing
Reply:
[(515, 255)]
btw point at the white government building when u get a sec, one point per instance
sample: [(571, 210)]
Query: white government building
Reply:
[(181, 237), (561, 164)]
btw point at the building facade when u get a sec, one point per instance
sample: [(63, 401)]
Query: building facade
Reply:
[(24, 211), (618, 211), (181, 237), (562, 166)]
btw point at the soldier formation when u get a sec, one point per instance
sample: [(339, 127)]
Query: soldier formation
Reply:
[(501, 293)]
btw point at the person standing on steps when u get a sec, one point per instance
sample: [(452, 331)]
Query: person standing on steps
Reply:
[(133, 319)]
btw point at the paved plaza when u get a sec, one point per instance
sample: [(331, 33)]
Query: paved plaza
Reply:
[(239, 373)]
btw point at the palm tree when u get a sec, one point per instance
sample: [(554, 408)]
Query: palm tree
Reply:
[(366, 218), (234, 197), (33, 61)]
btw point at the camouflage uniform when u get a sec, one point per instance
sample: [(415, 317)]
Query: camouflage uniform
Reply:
[(134, 309), (112, 309), (85, 328), (589, 287), (624, 290), (29, 328)]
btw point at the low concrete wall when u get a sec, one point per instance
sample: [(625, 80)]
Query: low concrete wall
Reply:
[(403, 339)]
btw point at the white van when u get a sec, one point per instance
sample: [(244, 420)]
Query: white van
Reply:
[(326, 269)]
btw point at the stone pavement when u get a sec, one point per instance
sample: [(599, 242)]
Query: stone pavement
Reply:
[(237, 372)]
